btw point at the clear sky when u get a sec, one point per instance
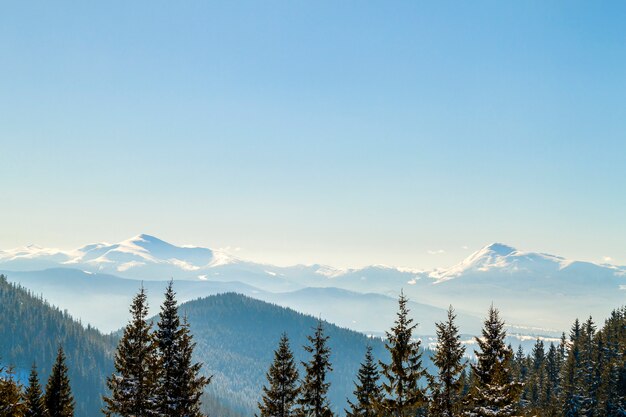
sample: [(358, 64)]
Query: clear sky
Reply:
[(343, 132)]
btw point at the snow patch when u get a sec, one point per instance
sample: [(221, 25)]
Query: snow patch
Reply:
[(185, 266), (128, 265), (330, 272)]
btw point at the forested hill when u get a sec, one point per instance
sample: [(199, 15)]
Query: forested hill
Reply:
[(32, 330), (237, 335)]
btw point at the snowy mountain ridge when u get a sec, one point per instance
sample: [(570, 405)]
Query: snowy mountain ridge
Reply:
[(504, 258), (151, 253)]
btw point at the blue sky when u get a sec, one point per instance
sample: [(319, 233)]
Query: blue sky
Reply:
[(345, 133)]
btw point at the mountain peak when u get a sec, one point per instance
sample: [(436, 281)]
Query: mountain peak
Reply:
[(146, 238), (500, 249)]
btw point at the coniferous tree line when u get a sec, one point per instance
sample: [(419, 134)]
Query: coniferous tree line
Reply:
[(584, 375), (31, 401), (154, 372), (31, 331)]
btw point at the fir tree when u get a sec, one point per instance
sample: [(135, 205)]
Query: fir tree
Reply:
[(179, 384), (495, 393), (34, 399), (403, 394), (11, 402), (446, 387), (133, 384), (58, 398), (314, 388), (367, 391), (279, 396)]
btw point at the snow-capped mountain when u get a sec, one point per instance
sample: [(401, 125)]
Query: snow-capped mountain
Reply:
[(504, 265), (545, 290), (533, 289), (134, 253)]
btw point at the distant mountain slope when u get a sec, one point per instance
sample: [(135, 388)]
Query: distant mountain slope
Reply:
[(237, 335), (31, 330), (369, 313), (102, 300)]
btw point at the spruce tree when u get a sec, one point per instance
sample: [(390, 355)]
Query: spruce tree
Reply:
[(537, 380), (495, 393), (612, 388), (179, 385), (58, 397), (571, 395), (403, 394), (11, 401), (133, 384), (367, 391), (191, 383), (589, 380), (279, 396), (33, 397), (553, 381), (313, 400), (446, 386)]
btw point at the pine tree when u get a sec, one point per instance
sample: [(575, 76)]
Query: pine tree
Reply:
[(179, 384), (133, 385), (403, 394), (446, 387), (279, 396), (367, 391), (11, 401), (314, 388), (495, 393), (58, 398), (34, 399)]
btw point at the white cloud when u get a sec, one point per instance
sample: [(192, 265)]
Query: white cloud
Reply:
[(607, 258), (464, 247), (436, 252)]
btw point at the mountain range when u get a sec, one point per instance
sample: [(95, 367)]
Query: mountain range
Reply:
[(538, 293)]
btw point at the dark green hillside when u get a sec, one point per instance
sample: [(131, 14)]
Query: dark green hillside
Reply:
[(237, 335), (31, 330)]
